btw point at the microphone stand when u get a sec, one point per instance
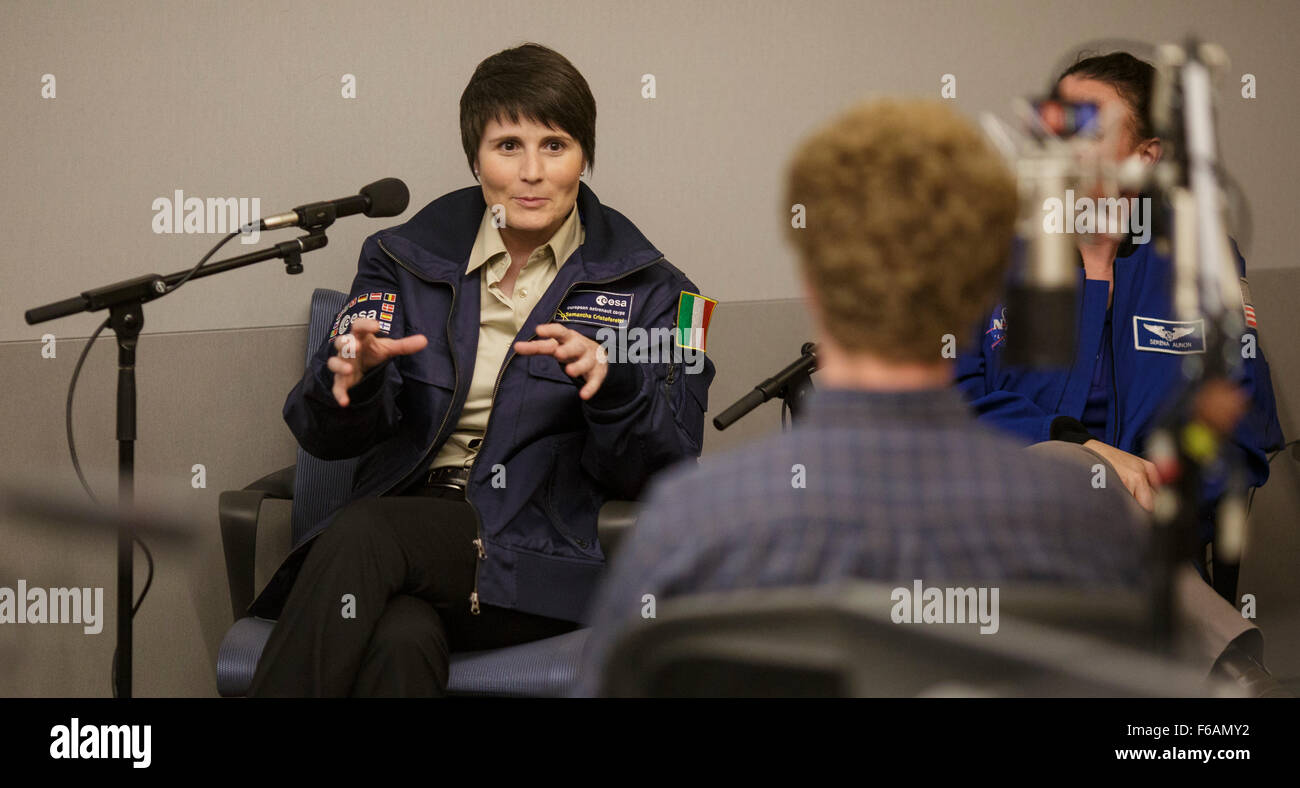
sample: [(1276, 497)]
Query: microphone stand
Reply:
[(124, 301), (792, 384), (1205, 277)]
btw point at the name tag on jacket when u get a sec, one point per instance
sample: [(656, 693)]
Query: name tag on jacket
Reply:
[(596, 308), (1181, 337)]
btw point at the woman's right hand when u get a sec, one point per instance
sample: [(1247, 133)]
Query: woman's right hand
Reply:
[(1139, 475), (362, 350)]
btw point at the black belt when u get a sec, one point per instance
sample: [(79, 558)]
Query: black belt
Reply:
[(447, 482)]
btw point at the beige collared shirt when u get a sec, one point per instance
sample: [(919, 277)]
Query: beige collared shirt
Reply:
[(500, 318)]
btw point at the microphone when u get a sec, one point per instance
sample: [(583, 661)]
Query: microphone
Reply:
[(1040, 299), (386, 197), (785, 384), (1062, 150)]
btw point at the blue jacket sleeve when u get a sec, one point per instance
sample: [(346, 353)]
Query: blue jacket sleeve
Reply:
[(325, 429), (977, 373), (1006, 410), (648, 416), (1260, 432)]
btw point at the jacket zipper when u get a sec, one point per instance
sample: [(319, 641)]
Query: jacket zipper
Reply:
[(1114, 363), (478, 527), (1114, 398), (450, 344), (478, 543)]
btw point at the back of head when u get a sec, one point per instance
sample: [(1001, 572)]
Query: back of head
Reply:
[(910, 216)]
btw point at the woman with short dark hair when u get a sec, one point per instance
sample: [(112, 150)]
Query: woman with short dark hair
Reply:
[(1130, 344), (491, 424)]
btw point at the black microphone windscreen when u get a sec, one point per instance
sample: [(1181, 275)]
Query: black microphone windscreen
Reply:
[(387, 197), (1040, 326)]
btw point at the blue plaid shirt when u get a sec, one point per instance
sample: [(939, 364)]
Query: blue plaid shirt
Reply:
[(885, 486)]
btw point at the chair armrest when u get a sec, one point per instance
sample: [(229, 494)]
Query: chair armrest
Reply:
[(238, 512), (1240, 663), (278, 484), (614, 522)]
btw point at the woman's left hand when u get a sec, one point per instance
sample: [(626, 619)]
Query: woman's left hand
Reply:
[(581, 357)]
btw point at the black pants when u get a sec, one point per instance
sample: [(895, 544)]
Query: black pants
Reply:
[(381, 602)]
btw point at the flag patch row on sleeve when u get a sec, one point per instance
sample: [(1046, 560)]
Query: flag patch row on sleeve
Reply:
[(381, 306)]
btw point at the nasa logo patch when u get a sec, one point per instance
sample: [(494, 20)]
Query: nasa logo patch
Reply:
[(997, 328)]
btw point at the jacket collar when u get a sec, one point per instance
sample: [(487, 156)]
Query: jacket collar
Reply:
[(439, 238), (489, 244)]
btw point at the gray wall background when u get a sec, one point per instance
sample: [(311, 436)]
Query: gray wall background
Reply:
[(242, 99)]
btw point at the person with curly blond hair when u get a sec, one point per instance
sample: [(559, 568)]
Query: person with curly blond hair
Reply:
[(902, 221), (909, 218)]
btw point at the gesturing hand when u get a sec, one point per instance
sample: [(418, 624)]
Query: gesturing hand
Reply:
[(364, 349), (581, 357)]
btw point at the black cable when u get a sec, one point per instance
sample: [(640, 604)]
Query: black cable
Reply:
[(67, 418), (148, 581), (199, 265), (72, 445)]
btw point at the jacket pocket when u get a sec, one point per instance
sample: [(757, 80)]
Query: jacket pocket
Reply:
[(550, 402), (573, 498), (432, 365), (550, 369)]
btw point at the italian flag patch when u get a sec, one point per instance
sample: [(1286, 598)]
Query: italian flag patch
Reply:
[(693, 313)]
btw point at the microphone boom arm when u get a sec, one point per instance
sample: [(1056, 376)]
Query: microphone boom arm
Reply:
[(791, 384)]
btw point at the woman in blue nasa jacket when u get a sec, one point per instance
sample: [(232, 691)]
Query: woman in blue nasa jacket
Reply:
[(1129, 346)]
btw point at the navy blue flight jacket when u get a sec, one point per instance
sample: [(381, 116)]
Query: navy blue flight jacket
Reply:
[(555, 459), (1148, 347)]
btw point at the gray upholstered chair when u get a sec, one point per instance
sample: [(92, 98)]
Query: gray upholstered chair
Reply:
[(841, 641)]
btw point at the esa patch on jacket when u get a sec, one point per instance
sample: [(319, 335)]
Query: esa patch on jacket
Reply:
[(596, 308), (379, 306)]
